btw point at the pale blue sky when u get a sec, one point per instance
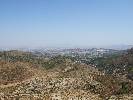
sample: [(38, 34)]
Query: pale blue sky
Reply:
[(42, 23)]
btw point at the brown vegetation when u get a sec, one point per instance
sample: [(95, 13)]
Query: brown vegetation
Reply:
[(14, 72)]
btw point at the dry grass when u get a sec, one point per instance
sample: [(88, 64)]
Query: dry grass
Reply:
[(14, 72)]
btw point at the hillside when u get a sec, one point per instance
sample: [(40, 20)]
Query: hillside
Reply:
[(116, 64), (14, 72), (25, 76)]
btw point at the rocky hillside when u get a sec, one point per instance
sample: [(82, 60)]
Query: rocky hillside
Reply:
[(14, 72), (26, 77)]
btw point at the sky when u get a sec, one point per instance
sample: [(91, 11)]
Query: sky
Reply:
[(65, 23)]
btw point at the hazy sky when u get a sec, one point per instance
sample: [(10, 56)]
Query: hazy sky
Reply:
[(41, 23)]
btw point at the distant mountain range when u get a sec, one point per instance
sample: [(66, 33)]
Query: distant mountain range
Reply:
[(119, 47), (115, 47)]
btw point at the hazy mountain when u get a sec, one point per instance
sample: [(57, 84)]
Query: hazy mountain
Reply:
[(119, 47)]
